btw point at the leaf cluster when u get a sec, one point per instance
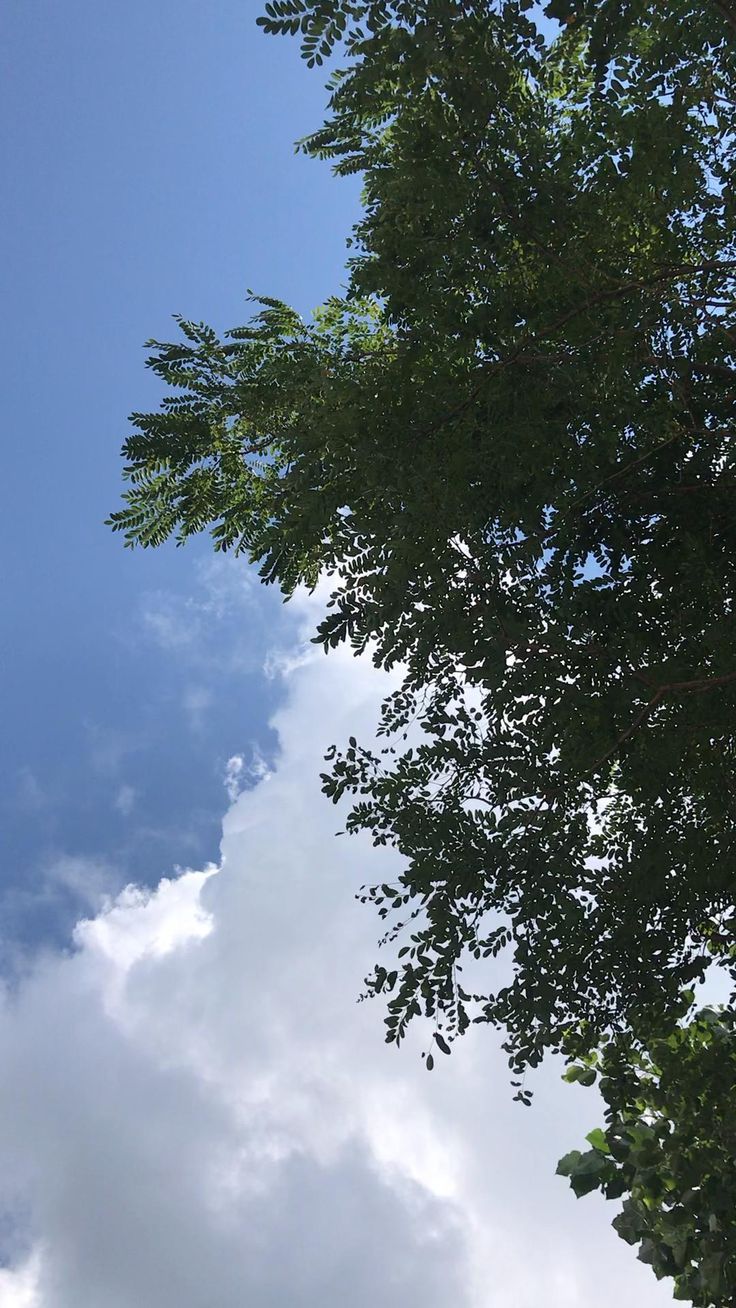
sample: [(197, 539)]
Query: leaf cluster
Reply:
[(668, 1145)]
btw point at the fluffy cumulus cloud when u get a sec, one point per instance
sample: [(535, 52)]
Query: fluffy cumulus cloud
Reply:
[(194, 1112)]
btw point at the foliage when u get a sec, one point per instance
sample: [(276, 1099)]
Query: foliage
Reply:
[(669, 1145), (510, 446)]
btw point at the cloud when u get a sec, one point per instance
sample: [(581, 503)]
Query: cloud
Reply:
[(234, 770), (19, 1286), (239, 773), (89, 881), (30, 794), (125, 799), (196, 701), (194, 1112), (223, 587), (109, 746), (219, 625)]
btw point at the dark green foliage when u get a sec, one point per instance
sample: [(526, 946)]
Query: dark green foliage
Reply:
[(511, 447), (669, 1145)]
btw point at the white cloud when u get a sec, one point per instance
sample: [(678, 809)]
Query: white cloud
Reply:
[(125, 799), (196, 701), (194, 1113), (234, 769), (239, 774), (90, 881), (217, 627), (108, 746), (19, 1286), (30, 794)]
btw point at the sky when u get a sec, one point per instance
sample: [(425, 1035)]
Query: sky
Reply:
[(194, 1111), (148, 168)]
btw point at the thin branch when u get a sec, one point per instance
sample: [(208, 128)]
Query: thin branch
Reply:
[(727, 13), (695, 685), (686, 489), (611, 294), (630, 730)]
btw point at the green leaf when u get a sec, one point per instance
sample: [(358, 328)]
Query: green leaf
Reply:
[(597, 1139), (567, 1165)]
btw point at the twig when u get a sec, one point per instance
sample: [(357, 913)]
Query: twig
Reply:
[(727, 13), (674, 687)]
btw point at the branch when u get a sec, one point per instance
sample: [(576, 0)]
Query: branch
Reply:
[(610, 294), (638, 720), (694, 684), (727, 13), (686, 489), (671, 688)]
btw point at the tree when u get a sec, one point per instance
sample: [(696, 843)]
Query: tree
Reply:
[(511, 447), (669, 1144)]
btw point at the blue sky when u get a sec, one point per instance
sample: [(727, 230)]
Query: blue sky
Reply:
[(148, 168), (193, 1111)]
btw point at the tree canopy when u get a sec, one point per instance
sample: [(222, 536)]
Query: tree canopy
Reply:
[(510, 447)]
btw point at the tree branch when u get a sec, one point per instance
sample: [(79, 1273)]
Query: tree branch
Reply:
[(695, 685), (727, 13)]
